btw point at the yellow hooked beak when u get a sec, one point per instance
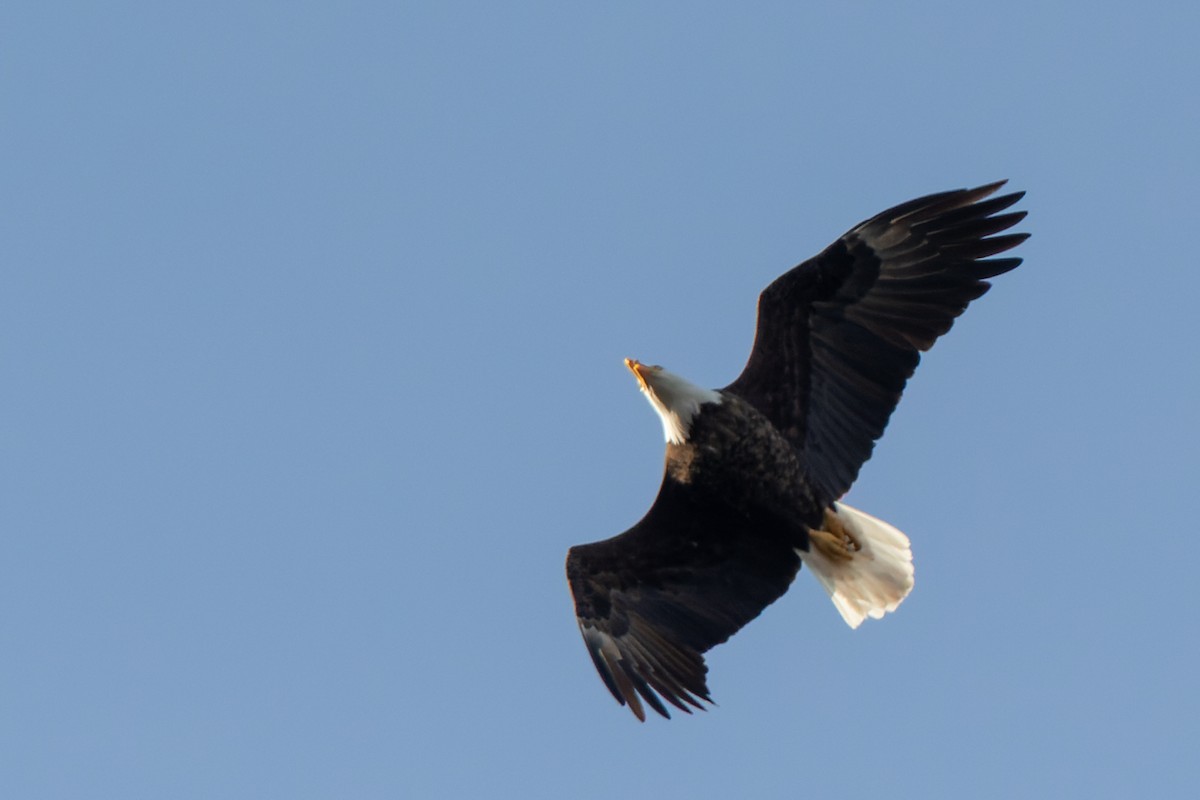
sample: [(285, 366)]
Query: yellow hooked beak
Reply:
[(636, 368)]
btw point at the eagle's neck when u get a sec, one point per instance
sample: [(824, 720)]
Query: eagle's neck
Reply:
[(677, 402)]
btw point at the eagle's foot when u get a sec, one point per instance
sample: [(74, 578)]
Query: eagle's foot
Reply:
[(832, 540)]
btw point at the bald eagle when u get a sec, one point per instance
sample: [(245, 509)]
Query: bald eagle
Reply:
[(754, 471)]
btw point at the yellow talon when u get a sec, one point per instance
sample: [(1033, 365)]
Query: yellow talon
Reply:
[(832, 539)]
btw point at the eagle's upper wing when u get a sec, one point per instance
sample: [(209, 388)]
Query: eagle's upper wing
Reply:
[(839, 335), (684, 579)]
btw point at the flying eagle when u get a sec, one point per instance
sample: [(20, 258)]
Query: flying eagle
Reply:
[(754, 471)]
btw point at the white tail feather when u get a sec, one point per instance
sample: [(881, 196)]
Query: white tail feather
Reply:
[(875, 578)]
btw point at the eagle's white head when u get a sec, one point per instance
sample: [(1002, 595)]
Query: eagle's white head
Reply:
[(675, 399)]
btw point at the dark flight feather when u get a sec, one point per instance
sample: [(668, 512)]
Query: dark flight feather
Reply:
[(839, 335), (682, 580)]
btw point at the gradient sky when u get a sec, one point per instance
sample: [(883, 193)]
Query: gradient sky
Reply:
[(311, 334)]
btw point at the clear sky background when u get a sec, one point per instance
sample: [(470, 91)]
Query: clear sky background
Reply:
[(311, 327)]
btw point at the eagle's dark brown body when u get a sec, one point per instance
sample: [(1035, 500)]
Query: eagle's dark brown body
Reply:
[(735, 456)]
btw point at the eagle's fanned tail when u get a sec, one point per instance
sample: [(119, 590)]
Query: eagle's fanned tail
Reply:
[(863, 563)]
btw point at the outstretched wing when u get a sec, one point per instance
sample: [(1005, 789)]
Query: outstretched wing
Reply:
[(688, 576), (839, 335)]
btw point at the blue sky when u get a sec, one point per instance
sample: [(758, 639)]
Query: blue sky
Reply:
[(311, 336)]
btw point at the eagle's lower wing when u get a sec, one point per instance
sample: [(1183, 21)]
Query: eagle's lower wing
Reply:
[(839, 335), (651, 601)]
